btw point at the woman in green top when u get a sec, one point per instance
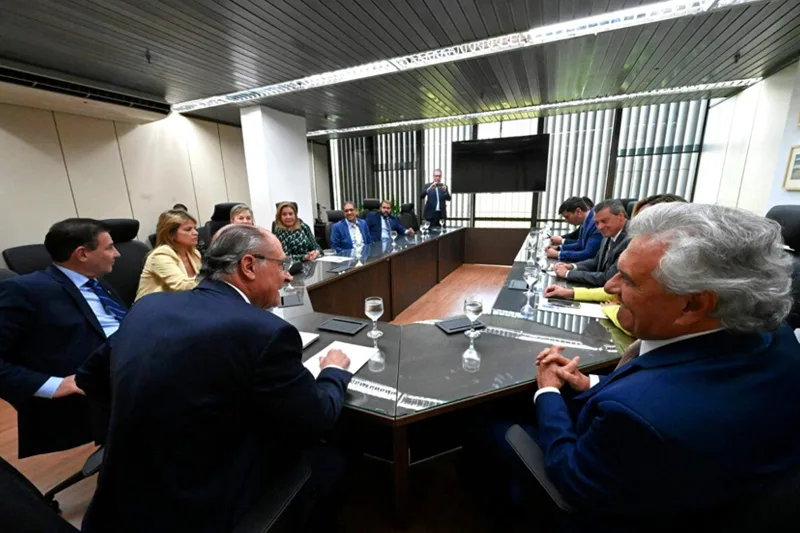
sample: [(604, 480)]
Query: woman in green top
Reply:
[(296, 237)]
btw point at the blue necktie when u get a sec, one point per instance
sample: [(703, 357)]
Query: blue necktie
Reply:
[(109, 304)]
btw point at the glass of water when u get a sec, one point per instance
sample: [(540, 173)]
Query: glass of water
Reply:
[(373, 308), (531, 276), (424, 227), (393, 235), (471, 359)]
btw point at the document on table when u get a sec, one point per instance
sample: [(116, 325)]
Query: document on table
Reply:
[(359, 355), (582, 309), (308, 338), (333, 259)]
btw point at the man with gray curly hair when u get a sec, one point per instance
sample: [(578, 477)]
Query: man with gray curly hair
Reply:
[(703, 416)]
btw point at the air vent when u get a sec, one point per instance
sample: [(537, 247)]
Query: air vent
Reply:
[(81, 91)]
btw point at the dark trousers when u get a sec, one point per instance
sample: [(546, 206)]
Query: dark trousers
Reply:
[(435, 219)]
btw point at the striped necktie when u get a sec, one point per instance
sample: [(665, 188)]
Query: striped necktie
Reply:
[(109, 304), (630, 354)]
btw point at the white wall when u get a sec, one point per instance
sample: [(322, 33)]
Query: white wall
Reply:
[(746, 145), (320, 176), (56, 165)]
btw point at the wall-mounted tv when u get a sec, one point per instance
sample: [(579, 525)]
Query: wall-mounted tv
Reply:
[(512, 164)]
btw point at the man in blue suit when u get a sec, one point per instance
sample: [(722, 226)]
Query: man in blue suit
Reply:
[(210, 398), (50, 322), (703, 416), (381, 224), (350, 232), (436, 197), (576, 212)]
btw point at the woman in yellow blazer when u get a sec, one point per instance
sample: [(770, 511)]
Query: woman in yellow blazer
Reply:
[(174, 263)]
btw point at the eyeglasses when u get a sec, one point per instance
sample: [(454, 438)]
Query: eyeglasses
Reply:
[(286, 264)]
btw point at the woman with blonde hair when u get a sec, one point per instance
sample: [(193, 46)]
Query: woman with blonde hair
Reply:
[(174, 263), (296, 237), (242, 214)]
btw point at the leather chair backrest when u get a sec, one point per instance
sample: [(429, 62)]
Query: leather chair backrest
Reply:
[(220, 218), (28, 258), (129, 265), (152, 240), (7, 274), (372, 204), (334, 216), (788, 216), (23, 508), (407, 217)]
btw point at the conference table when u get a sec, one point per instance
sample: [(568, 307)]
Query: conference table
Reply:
[(417, 375)]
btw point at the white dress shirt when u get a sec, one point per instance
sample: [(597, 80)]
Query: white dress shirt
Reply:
[(438, 206), (107, 321), (647, 346)]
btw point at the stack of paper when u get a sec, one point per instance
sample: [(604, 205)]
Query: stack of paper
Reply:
[(359, 355), (333, 259), (581, 309)]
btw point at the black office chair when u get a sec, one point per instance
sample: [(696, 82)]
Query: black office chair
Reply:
[(629, 204), (7, 274), (28, 258), (370, 204), (152, 239), (333, 217), (129, 265), (22, 507), (407, 217), (220, 218), (773, 509)]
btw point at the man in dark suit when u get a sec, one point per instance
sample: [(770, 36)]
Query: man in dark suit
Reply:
[(611, 221), (381, 224), (575, 211), (436, 197), (210, 398), (694, 422), (351, 232), (50, 322)]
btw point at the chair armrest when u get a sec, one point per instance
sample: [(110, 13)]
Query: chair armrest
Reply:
[(269, 505), (530, 454)]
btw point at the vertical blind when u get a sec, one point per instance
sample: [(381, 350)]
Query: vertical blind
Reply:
[(659, 150)]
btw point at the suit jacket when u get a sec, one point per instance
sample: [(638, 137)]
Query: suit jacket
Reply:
[(375, 221), (603, 266), (46, 329), (208, 394), (340, 235), (430, 201), (689, 425), (164, 271), (586, 246)]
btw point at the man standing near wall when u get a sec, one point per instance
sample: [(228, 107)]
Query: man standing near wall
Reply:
[(436, 196)]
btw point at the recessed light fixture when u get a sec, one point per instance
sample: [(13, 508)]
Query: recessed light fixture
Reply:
[(614, 20), (688, 89)]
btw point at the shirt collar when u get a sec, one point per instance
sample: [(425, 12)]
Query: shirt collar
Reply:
[(649, 346), (75, 277), (234, 287), (614, 238)]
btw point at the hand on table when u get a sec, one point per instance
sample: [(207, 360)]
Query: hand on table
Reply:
[(336, 358), (555, 239), (555, 370), (552, 253), (561, 269), (313, 254), (68, 388), (410, 231), (554, 291)]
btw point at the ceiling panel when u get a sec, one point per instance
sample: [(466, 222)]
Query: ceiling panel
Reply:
[(177, 50)]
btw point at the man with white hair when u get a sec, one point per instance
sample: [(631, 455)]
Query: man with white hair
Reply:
[(705, 415), (210, 401)]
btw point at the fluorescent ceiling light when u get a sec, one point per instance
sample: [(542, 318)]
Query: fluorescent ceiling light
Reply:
[(688, 89), (615, 20)]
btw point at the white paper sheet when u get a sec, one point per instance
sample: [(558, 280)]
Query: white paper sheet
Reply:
[(583, 309), (359, 355), (333, 259), (308, 338)]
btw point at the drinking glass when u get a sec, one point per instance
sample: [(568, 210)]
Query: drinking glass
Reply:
[(393, 235), (471, 359), (373, 308), (425, 226), (531, 276)]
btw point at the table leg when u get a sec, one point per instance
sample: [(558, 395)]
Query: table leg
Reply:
[(400, 457)]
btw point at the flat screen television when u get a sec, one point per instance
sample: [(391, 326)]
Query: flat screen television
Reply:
[(512, 164)]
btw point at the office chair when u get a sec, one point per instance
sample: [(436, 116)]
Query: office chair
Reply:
[(407, 217), (629, 204), (7, 274), (22, 507), (772, 509), (333, 217), (28, 258), (152, 239), (370, 204), (129, 265), (220, 218)]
